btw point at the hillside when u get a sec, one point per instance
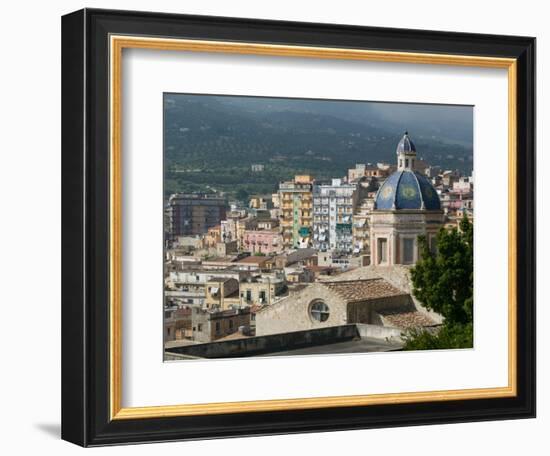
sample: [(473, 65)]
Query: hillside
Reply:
[(211, 142)]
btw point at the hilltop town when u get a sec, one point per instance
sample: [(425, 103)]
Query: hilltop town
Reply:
[(315, 267)]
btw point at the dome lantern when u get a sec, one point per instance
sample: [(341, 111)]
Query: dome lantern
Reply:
[(406, 153)]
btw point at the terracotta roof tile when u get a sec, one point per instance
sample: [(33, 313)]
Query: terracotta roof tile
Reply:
[(405, 319), (185, 312), (363, 290), (316, 268), (254, 259), (220, 279)]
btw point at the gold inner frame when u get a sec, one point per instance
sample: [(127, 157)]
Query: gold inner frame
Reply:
[(117, 44)]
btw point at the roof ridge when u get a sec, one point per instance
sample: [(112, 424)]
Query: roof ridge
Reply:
[(355, 280)]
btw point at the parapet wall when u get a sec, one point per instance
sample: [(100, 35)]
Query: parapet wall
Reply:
[(261, 345), (379, 332)]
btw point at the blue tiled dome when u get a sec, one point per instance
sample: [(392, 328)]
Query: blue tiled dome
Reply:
[(406, 189), (405, 145)]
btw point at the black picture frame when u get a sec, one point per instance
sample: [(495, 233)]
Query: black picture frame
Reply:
[(85, 225)]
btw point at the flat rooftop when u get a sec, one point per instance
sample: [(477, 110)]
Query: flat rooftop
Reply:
[(330, 340), (352, 346)]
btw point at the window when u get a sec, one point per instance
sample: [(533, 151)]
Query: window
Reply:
[(408, 251), (217, 326), (230, 324), (382, 250), (406, 162), (433, 245), (248, 295), (262, 296), (319, 311), (199, 327)]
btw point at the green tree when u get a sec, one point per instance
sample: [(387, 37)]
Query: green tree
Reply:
[(443, 282), (450, 336)]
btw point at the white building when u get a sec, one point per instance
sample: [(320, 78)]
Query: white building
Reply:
[(332, 216)]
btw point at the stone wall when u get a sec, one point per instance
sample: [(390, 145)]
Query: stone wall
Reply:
[(379, 332), (211, 326), (365, 312), (292, 313)]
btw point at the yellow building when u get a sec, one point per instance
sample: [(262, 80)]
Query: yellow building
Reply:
[(213, 236), (296, 211), (221, 293)]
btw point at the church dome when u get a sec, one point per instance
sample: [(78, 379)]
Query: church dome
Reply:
[(407, 189), (406, 145)]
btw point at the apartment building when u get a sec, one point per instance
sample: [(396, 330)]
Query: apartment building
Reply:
[(333, 206), (296, 210)]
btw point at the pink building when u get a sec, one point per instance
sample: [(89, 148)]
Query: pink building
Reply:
[(262, 241)]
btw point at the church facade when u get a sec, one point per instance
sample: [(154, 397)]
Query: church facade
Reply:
[(406, 206)]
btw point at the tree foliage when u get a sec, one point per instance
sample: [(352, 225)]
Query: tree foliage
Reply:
[(444, 282), (450, 336)]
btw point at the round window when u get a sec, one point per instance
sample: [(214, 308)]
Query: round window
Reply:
[(319, 311)]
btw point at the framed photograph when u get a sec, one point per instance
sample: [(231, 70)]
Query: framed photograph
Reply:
[(270, 227)]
